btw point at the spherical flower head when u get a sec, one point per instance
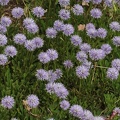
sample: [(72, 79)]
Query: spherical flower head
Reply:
[(96, 1), (32, 101), (3, 40), (77, 9), (6, 21), (85, 47), (43, 57), (50, 87), (7, 102), (76, 40), (51, 32), (76, 111), (108, 3), (116, 40), (19, 39), (102, 33), (82, 72), (64, 3), (17, 12), (3, 29), (117, 110), (81, 56), (92, 33), (115, 26), (10, 51), (58, 25), (96, 54), (38, 11), (53, 54), (38, 42), (106, 48), (59, 73), (89, 26), (42, 74), (32, 28), (68, 64), (64, 104), (112, 73), (28, 21), (116, 64), (96, 13), (98, 118), (87, 64), (3, 59), (68, 29), (4, 2), (88, 115), (58, 87), (29, 45), (64, 14)]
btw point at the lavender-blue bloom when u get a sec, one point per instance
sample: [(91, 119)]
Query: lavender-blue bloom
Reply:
[(42, 74), (87, 64), (108, 3), (116, 40), (6, 21), (64, 3), (106, 48), (64, 14), (29, 45), (115, 26), (98, 118), (58, 25), (10, 51), (59, 73), (96, 13), (87, 115), (64, 104), (38, 42), (112, 73), (28, 21), (81, 56), (43, 57), (96, 1), (68, 64), (51, 32), (102, 33), (82, 72), (85, 47), (32, 101), (3, 29), (3, 59), (7, 102), (89, 26), (50, 87), (68, 29), (76, 40), (77, 9), (92, 33), (4, 2), (38, 11), (53, 54), (116, 64), (3, 40), (17, 12)]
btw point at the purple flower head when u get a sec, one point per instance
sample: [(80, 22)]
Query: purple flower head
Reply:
[(88, 115), (28, 21), (58, 86), (81, 56), (92, 33), (108, 3), (116, 64), (4, 2), (90, 26), (3, 40), (64, 3), (38, 42), (7, 102), (50, 87), (17, 12), (6, 21), (64, 14), (96, 13), (68, 64), (68, 29), (58, 25), (3, 59), (85, 47), (96, 54), (38, 11), (98, 118), (53, 54), (32, 101), (106, 48), (29, 45), (76, 40), (76, 111), (59, 73), (102, 33), (3, 29), (112, 73), (51, 32), (43, 57), (96, 1), (19, 38), (42, 74), (115, 26), (116, 40), (10, 51), (87, 64), (117, 110), (82, 72), (64, 104), (77, 9)]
